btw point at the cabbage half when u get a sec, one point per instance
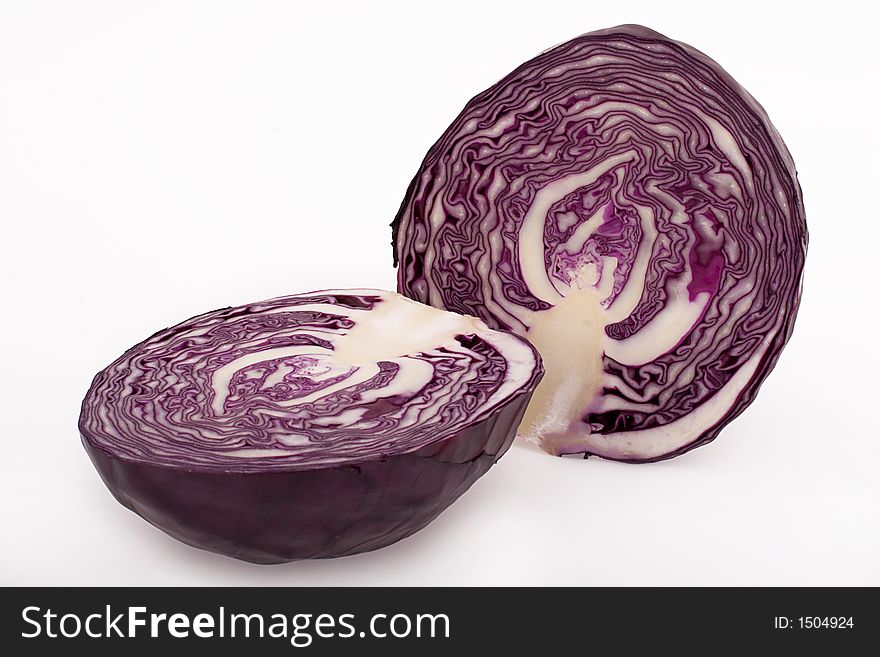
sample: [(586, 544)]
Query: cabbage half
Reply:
[(625, 205), (308, 426)]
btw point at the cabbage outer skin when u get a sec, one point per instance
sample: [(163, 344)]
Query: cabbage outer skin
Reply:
[(622, 202), (277, 516)]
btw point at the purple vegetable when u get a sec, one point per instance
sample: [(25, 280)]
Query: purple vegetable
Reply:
[(308, 426), (628, 207)]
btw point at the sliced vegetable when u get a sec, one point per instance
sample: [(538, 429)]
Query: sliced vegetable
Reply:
[(315, 425), (628, 207)]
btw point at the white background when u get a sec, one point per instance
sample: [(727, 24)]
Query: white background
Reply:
[(161, 159)]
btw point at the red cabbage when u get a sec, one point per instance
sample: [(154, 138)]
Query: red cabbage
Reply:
[(628, 207), (314, 425)]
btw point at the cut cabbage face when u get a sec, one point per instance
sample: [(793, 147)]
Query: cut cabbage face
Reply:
[(629, 208)]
